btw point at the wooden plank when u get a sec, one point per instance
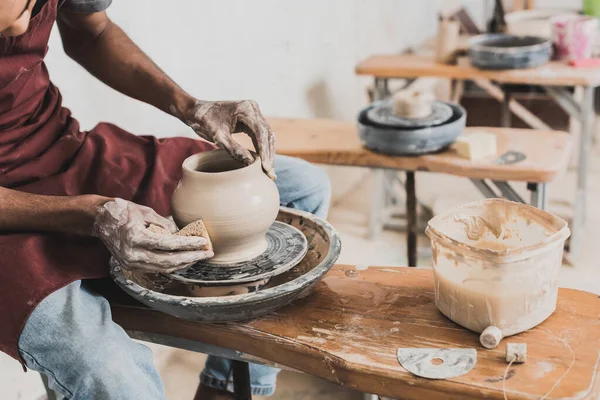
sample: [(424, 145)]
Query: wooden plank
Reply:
[(347, 331), (337, 143), (412, 66)]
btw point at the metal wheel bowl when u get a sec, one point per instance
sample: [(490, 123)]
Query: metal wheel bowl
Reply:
[(411, 141), (502, 51), (239, 302)]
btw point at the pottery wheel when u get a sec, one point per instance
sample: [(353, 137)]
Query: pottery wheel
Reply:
[(286, 246), (382, 113)]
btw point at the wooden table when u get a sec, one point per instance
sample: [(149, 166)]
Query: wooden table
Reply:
[(337, 143), (553, 76), (349, 329), (331, 142)]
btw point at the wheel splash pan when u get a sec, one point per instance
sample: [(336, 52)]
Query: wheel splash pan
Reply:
[(161, 294), (411, 141)]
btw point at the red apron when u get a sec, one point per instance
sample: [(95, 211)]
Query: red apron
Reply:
[(43, 151)]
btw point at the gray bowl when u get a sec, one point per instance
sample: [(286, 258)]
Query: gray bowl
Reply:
[(411, 142), (502, 51), (324, 247)]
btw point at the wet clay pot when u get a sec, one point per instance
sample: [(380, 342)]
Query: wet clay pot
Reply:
[(237, 203)]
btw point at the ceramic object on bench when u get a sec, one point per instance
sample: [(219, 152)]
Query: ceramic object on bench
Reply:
[(536, 22), (237, 203), (177, 299), (411, 141), (502, 51)]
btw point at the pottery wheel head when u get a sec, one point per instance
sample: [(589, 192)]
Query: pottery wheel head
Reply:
[(382, 113), (286, 246)]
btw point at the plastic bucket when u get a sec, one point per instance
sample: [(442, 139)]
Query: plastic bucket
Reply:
[(496, 263)]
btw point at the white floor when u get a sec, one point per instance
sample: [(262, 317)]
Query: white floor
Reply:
[(349, 215)]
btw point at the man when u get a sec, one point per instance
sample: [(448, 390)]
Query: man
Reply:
[(71, 199)]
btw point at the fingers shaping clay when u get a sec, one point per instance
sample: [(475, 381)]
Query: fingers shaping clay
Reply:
[(196, 228)]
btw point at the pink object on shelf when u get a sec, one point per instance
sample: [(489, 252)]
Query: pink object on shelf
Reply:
[(574, 36), (585, 63)]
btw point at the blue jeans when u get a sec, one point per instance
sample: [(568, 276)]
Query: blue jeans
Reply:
[(71, 338)]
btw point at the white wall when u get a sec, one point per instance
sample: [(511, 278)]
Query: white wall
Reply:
[(295, 57)]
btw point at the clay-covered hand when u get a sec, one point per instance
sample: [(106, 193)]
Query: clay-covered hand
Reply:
[(217, 121), (122, 226)]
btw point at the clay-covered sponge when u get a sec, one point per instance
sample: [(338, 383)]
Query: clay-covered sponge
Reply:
[(196, 228)]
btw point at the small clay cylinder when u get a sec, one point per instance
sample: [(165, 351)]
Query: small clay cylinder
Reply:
[(447, 40), (412, 104), (516, 352), (490, 338)]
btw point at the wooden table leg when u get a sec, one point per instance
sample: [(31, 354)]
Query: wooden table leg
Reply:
[(241, 380), (585, 142), (411, 214), (506, 113)]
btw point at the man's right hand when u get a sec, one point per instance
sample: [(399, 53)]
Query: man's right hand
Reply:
[(122, 226)]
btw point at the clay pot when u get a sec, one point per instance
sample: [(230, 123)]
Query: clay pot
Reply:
[(237, 203)]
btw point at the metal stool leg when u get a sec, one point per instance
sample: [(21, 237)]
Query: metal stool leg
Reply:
[(377, 203), (241, 380), (538, 195), (411, 214), (49, 392)]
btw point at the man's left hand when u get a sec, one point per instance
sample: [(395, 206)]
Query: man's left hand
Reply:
[(217, 121)]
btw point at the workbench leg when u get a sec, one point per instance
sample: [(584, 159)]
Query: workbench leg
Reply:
[(506, 116), (585, 141), (411, 214), (538, 195), (378, 202), (379, 199), (241, 380)]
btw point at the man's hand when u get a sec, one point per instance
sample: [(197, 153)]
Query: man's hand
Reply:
[(217, 121), (122, 226), (101, 47)]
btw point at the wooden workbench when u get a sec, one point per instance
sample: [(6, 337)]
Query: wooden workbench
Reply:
[(349, 329), (414, 66), (337, 143)]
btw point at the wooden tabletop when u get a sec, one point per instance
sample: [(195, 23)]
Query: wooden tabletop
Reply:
[(337, 143), (413, 66), (348, 330)]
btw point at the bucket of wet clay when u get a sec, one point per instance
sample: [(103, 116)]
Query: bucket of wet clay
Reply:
[(496, 263)]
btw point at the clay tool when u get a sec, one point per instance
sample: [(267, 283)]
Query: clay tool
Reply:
[(437, 363), (510, 157), (195, 228), (516, 352)]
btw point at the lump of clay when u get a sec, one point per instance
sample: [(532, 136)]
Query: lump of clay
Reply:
[(196, 228), (412, 104)]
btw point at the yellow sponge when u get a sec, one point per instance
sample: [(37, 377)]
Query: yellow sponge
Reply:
[(476, 146), (196, 228)]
